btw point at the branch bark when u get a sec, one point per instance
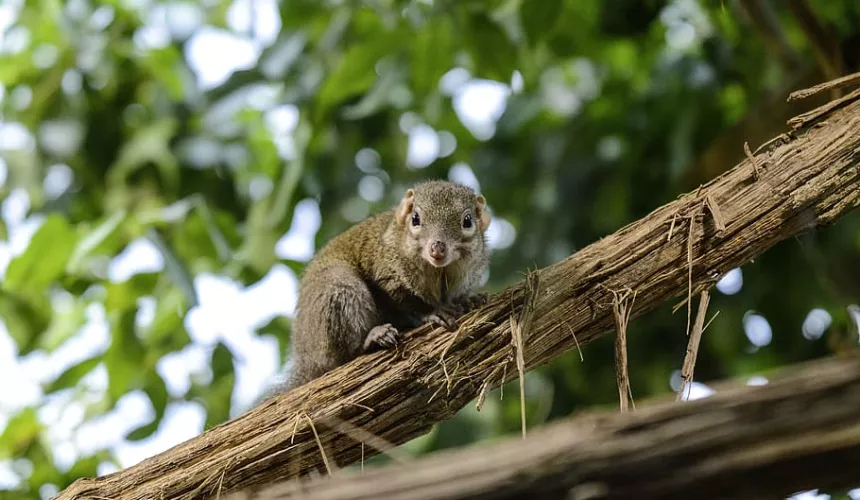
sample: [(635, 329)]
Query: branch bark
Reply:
[(802, 183), (799, 432)]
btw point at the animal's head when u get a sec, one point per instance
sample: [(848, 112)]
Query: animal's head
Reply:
[(443, 222)]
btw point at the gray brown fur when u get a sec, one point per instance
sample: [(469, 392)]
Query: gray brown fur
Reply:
[(371, 283)]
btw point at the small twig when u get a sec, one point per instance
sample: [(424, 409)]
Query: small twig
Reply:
[(319, 444), (502, 386), (295, 427), (482, 395), (707, 283), (436, 393), (485, 387), (221, 481), (447, 377), (779, 140), (528, 311), (845, 81), (710, 321), (363, 407), (520, 330), (517, 341), (621, 310), (689, 365), (671, 227), (719, 221), (448, 346), (581, 359), (753, 161), (690, 272)]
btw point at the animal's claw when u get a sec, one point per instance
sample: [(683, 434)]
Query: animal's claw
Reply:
[(385, 336), (444, 316)]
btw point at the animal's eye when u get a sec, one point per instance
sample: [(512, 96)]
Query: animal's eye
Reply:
[(467, 221), (416, 220)]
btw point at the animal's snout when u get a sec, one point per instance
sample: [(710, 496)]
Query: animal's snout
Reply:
[(438, 250)]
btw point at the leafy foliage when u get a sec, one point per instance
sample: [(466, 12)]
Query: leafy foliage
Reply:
[(115, 137)]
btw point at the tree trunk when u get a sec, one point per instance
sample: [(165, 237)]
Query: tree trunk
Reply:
[(677, 250), (799, 432)]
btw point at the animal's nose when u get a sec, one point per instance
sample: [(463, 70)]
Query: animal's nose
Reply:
[(438, 250)]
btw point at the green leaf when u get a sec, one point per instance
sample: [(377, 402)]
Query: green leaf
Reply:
[(258, 249), (123, 296), (94, 239), (190, 241), (157, 392), (217, 395), (222, 361), (150, 144), (144, 431), (164, 64), (539, 18), (74, 374), (167, 332), (297, 13), (125, 358), (290, 175), (493, 54), (45, 258), (175, 268), (391, 77), (25, 319), (84, 467), (156, 389), (64, 324), (15, 68), (47, 472), (21, 431), (432, 55), (222, 246), (354, 73)]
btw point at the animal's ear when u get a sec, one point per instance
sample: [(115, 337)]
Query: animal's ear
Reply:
[(482, 212), (406, 206)]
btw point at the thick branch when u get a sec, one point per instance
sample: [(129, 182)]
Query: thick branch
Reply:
[(799, 432), (796, 186)]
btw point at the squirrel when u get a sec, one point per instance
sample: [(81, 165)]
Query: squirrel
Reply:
[(419, 262)]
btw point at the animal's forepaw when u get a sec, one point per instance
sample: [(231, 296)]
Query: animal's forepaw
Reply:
[(466, 304), (385, 336), (477, 300), (445, 317)]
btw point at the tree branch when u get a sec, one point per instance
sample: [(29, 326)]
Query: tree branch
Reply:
[(804, 182), (801, 431)]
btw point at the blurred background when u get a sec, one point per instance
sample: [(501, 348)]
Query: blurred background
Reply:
[(169, 167)]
